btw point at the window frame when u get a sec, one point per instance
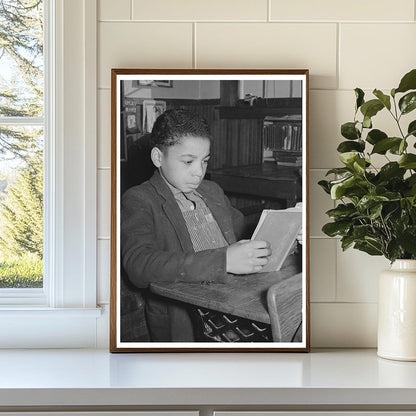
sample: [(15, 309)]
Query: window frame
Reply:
[(29, 316)]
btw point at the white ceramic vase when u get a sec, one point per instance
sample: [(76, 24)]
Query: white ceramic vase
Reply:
[(397, 312)]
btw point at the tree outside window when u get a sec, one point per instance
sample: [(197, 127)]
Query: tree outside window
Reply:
[(21, 143)]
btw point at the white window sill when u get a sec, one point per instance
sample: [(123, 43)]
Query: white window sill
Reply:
[(330, 379), (40, 327), (40, 311)]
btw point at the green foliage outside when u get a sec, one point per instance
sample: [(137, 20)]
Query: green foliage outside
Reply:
[(21, 214), (21, 147), (21, 271), (376, 210)]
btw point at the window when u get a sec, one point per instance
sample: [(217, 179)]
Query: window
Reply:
[(63, 312), (22, 129)]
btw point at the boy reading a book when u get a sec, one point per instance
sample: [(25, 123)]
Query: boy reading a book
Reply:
[(178, 227)]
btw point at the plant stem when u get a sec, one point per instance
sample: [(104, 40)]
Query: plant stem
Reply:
[(397, 118)]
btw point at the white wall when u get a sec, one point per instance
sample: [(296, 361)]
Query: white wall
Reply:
[(345, 44)]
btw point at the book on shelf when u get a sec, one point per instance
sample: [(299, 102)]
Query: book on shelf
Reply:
[(296, 164), (288, 157), (280, 228)]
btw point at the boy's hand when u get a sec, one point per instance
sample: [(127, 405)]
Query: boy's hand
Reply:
[(247, 256)]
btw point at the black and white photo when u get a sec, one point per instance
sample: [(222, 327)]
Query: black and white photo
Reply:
[(209, 244)]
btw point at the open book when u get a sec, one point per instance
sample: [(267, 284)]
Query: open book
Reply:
[(279, 228)]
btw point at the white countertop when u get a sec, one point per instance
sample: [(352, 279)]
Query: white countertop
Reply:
[(96, 377)]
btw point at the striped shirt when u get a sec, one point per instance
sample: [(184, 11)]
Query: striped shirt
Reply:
[(203, 229)]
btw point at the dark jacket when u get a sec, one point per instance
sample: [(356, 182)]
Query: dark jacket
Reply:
[(156, 247)]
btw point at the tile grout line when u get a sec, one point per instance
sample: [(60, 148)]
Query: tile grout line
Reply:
[(194, 61), (345, 302), (230, 21), (338, 63), (269, 11), (335, 248)]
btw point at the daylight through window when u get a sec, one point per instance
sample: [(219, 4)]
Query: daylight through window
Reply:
[(21, 143)]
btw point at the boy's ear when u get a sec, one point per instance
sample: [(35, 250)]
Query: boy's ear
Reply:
[(156, 155)]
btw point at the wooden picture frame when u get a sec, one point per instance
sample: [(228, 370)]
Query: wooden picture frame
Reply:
[(259, 157)]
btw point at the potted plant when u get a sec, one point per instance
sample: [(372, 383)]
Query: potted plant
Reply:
[(376, 206)]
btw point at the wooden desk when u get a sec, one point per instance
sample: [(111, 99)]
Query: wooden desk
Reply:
[(246, 296), (266, 180)]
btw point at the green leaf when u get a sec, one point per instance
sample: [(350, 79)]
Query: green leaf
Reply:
[(346, 242), (408, 82), (337, 189), (391, 170), (369, 201), (359, 95), (408, 161), (411, 183), (393, 250), (349, 146), (359, 165), (348, 158), (383, 145), (375, 211), (349, 131), (325, 186), (375, 135), (398, 149), (361, 231), (371, 108), (402, 147), (407, 239), (368, 248), (411, 130), (408, 102), (342, 211), (333, 229), (411, 180), (338, 171), (367, 122), (385, 99), (345, 187), (354, 161)]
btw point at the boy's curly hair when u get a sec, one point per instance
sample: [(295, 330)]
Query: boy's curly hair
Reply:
[(173, 125)]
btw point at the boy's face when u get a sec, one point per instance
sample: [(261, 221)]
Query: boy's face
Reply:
[(184, 164)]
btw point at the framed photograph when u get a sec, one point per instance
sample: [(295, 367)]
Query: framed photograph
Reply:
[(164, 83), (152, 109), (152, 83), (210, 212)]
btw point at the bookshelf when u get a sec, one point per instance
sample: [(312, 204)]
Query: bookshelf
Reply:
[(282, 140)]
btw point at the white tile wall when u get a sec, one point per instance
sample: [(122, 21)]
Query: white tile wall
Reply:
[(376, 55), (341, 10), (103, 270), (319, 203), (114, 10), (200, 10), (104, 202), (323, 269), (357, 275), (104, 129), (343, 325), (345, 44), (271, 45), (142, 45), (328, 109)]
